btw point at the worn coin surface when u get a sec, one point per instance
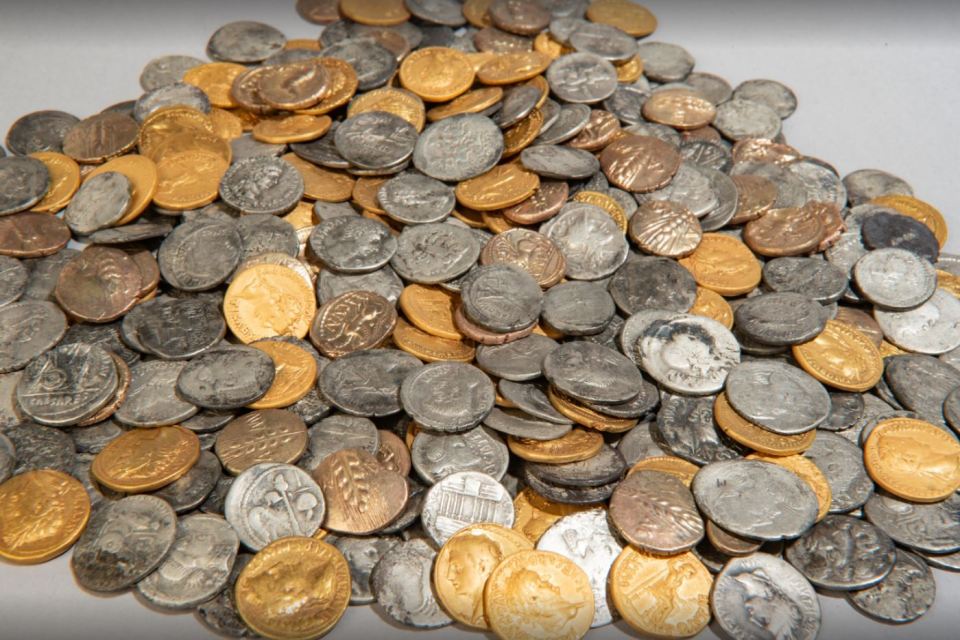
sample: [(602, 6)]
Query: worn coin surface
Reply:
[(146, 459), (689, 354), (905, 594), (362, 495), (808, 401), (448, 396), (438, 455), (842, 553), (401, 582), (592, 372), (269, 435), (464, 498), (655, 512)]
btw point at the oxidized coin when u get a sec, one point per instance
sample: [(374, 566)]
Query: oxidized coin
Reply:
[(409, 564), (895, 278), (639, 163), (367, 383), (337, 432), (760, 439), (913, 459), (27, 330), (592, 373), (685, 427), (689, 354), (815, 278), (226, 378), (738, 119), (841, 462), (464, 498), (362, 555), (578, 308), (37, 447), (501, 298), (353, 321), (200, 255), (100, 137), (39, 131), (655, 512), (146, 459), (99, 285), (152, 399), (841, 553), (448, 396), (905, 594), (652, 283), (531, 251), (176, 329), (604, 467), (886, 230), (187, 493), (434, 253), (519, 360), (805, 403), (779, 319), (269, 435), (929, 397), (458, 148), (362, 495)]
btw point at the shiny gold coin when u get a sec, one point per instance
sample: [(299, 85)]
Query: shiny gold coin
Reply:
[(471, 102), (710, 304), (188, 180), (464, 564), (479, 58), (535, 514), (549, 46), (294, 589), (42, 513), (913, 459), (808, 472), (629, 71), (169, 121), (475, 11), (503, 186), (431, 309), (586, 416), (436, 74), (677, 467), (399, 102), (146, 459), (248, 119), (534, 595), (539, 82), (841, 357), (304, 43), (295, 128), (517, 66), (341, 86), (667, 597), (144, 182), (521, 135), (625, 15), (605, 202), (756, 437), (887, 349), (679, 108), (430, 348), (216, 79), (469, 217), (268, 300), (302, 216), (496, 222), (284, 260), (948, 282), (578, 444), (64, 181), (296, 373), (919, 211), (378, 13), (365, 193), (226, 124), (320, 183), (724, 265)]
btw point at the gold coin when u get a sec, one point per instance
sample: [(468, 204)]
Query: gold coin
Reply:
[(431, 309), (479, 58), (436, 74), (268, 300), (496, 222), (841, 357), (919, 211), (302, 216), (626, 15), (677, 467), (679, 108), (631, 70), (64, 181), (948, 282), (296, 128), (887, 349), (270, 435), (533, 595), (226, 124), (365, 192), (430, 348), (913, 459), (806, 471), (294, 589), (191, 141), (605, 202), (756, 437), (539, 82), (469, 217), (188, 179), (342, 84), (549, 46), (282, 259), (380, 13), (320, 183), (296, 373), (216, 80), (146, 459), (586, 416), (516, 66), (471, 102), (475, 11), (464, 564), (711, 304), (399, 102), (144, 182), (42, 513), (503, 186), (170, 121), (661, 596), (724, 265), (578, 444), (521, 135), (305, 43), (535, 514)]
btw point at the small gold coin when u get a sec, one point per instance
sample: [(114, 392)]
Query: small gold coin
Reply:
[(431, 309), (430, 348), (605, 202), (841, 357), (471, 102), (534, 595), (380, 13), (631, 70), (342, 83), (503, 186), (216, 79), (436, 74), (295, 128), (144, 179), (679, 108), (465, 563), (919, 211), (711, 304), (887, 349), (521, 135), (948, 282), (188, 179), (586, 416), (549, 46), (626, 15), (64, 181), (724, 265), (320, 183), (756, 437), (578, 444), (42, 513), (808, 472), (661, 596), (226, 124), (294, 589), (913, 459), (678, 467), (302, 216), (535, 514), (146, 459), (516, 66), (296, 373), (268, 300), (399, 102)]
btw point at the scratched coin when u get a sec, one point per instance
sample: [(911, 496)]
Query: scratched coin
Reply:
[(842, 553), (409, 564), (27, 330), (905, 594), (437, 455), (226, 378)]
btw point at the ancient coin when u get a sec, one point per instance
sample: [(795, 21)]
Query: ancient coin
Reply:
[(262, 185), (408, 563), (842, 465), (652, 283), (842, 357), (362, 555), (476, 139), (445, 509), (177, 329), (501, 298), (367, 383), (437, 455), (738, 119), (516, 361), (639, 163), (26, 180), (929, 528), (187, 493), (592, 243), (268, 300), (190, 269), (265, 436), (413, 198), (337, 432), (101, 201), (867, 554), (226, 378), (656, 512), (593, 373), (27, 330), (39, 447), (38, 132), (245, 42), (434, 253), (685, 428), (817, 279), (152, 399), (931, 328), (426, 395), (99, 285), (362, 496), (530, 251), (146, 459), (913, 459), (582, 78), (905, 594), (578, 308), (809, 403), (895, 278), (689, 354), (779, 319)]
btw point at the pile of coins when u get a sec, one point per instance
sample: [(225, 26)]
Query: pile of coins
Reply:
[(488, 313)]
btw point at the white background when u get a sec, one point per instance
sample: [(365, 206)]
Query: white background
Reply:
[(877, 84)]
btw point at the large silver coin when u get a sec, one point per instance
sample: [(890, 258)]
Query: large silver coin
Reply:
[(841, 463), (531, 398), (438, 455), (516, 361), (434, 253), (582, 78), (780, 319), (458, 148), (501, 298), (448, 396), (367, 383), (895, 278), (689, 354), (187, 493), (593, 373), (801, 404), (402, 584), (904, 595), (28, 329), (841, 553), (932, 328), (362, 555), (590, 240), (685, 428), (463, 498), (930, 528)]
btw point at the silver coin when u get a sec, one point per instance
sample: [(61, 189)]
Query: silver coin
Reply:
[(152, 399), (434, 253), (738, 119), (413, 198), (639, 444), (570, 121), (842, 465), (219, 614), (28, 329), (197, 567), (820, 182), (653, 130), (458, 148), (592, 243), (445, 12), (603, 468), (402, 584), (246, 147), (374, 64), (704, 153), (367, 383), (771, 93), (384, 282), (338, 432), (921, 384), (802, 405), (101, 201), (569, 495), (608, 42), (411, 511), (930, 528), (25, 182), (635, 326), (578, 308), (10, 413), (519, 424), (689, 354), (905, 594), (501, 298), (780, 319), (655, 512), (685, 428), (559, 162), (866, 184), (166, 70), (932, 328), (946, 561), (815, 278), (124, 542), (462, 498), (130, 233), (627, 105), (375, 139), (841, 553), (689, 187), (664, 62), (351, 244), (94, 438), (262, 185), (263, 233), (647, 282), (591, 372), (226, 378), (39, 131), (517, 103), (447, 396), (270, 501), (215, 501), (39, 447), (532, 399), (175, 94), (761, 596), (895, 279), (200, 255), (846, 409), (362, 555), (13, 280), (322, 151), (187, 493), (582, 78), (180, 328), (326, 210), (711, 87), (516, 361), (438, 455), (245, 42), (586, 539)]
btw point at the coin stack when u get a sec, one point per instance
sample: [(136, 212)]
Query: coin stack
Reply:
[(491, 313)]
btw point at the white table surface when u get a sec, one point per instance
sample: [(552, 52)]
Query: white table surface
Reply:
[(878, 87)]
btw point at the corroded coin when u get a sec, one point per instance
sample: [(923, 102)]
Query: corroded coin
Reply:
[(352, 321), (409, 563), (146, 459), (640, 164), (905, 594)]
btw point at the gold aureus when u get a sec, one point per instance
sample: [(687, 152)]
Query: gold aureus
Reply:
[(841, 357), (146, 459), (399, 102), (678, 467), (724, 265), (913, 459), (578, 444), (503, 186), (216, 79), (431, 309), (296, 373), (430, 348), (535, 514), (268, 300), (64, 181), (711, 304), (436, 74)]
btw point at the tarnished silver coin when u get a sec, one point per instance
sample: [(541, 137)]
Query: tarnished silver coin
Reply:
[(655, 512), (587, 540), (180, 328), (25, 182), (362, 555), (152, 400), (820, 182), (603, 40), (665, 62), (458, 148), (10, 413), (262, 233), (570, 121), (39, 131), (605, 467), (516, 361), (803, 402), (738, 119), (447, 396), (434, 253), (8, 458), (130, 233), (582, 78), (569, 495), (200, 255), (593, 373), (771, 93), (124, 542), (187, 493), (690, 187), (647, 282), (846, 410), (462, 498), (245, 42), (689, 354), (685, 428), (930, 528), (932, 328), (592, 243), (895, 278), (841, 553), (39, 447), (101, 201), (639, 443), (531, 398), (171, 95), (559, 162), (166, 70), (813, 277), (27, 330), (367, 383), (13, 280), (413, 198), (374, 63), (438, 455), (402, 584), (905, 594), (755, 499), (337, 432), (760, 597), (219, 614), (517, 103), (578, 308), (226, 378), (922, 384), (262, 185), (841, 463), (501, 298), (351, 244), (893, 230), (517, 423), (780, 319), (375, 140), (866, 184), (705, 153), (384, 282)]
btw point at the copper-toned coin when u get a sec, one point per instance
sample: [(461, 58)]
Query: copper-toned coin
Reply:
[(763, 150), (578, 444), (430, 348), (352, 321), (784, 232), (832, 219), (640, 163), (270, 435), (101, 137), (534, 253), (665, 228), (295, 374), (679, 108), (431, 309), (522, 18), (246, 91), (343, 84), (723, 264), (678, 467), (361, 494), (99, 285), (146, 459), (726, 542), (503, 186), (602, 128), (483, 336), (375, 12), (393, 453), (545, 203), (755, 196), (319, 11), (296, 85), (474, 101), (756, 437), (582, 414), (64, 181), (32, 235)]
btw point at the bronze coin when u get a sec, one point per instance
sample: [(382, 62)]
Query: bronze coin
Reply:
[(545, 203), (602, 128), (531, 251), (297, 85), (755, 196), (319, 11), (679, 108), (763, 150), (352, 321), (790, 231), (665, 228), (101, 137), (268, 435), (99, 285), (524, 18), (481, 335), (148, 266), (640, 163), (393, 453), (832, 219), (32, 235), (362, 495), (246, 91)]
